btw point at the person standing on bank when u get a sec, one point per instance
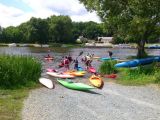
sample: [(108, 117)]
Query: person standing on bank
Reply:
[(110, 54)]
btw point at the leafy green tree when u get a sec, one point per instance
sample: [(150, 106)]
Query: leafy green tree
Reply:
[(60, 29), (11, 34), (38, 30), (134, 20), (92, 30)]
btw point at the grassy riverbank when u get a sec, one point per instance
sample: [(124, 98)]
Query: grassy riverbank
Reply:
[(18, 75), (142, 75)]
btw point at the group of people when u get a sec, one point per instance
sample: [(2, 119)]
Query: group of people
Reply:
[(87, 60)]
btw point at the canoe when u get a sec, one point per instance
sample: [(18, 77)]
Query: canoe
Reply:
[(60, 75), (137, 62), (46, 82), (75, 73), (96, 81), (75, 86), (92, 69), (108, 58)]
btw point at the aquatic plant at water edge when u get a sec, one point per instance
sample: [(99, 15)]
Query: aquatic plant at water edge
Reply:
[(18, 71), (107, 67)]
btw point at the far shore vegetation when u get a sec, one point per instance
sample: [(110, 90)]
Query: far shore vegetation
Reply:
[(19, 74)]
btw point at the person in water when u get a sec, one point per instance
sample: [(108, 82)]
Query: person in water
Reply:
[(76, 64), (110, 54), (70, 58), (66, 63), (87, 60)]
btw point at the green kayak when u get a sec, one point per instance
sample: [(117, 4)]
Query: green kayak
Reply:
[(75, 86)]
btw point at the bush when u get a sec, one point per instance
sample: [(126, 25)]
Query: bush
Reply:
[(107, 67), (18, 71)]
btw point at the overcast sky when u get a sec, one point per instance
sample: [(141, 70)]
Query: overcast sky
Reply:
[(15, 12)]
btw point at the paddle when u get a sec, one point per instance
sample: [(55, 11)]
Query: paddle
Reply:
[(80, 54)]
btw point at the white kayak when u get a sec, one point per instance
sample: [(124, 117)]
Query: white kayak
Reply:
[(46, 82), (60, 75)]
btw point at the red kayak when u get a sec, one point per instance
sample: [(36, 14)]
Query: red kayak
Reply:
[(92, 69), (111, 76)]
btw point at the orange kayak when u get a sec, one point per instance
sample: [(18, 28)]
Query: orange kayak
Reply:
[(96, 81)]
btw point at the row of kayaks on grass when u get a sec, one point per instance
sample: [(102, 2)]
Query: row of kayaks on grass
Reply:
[(97, 83)]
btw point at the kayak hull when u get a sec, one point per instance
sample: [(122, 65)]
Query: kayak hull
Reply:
[(75, 86), (46, 82), (96, 81), (108, 58), (60, 75), (92, 69), (137, 62), (76, 73)]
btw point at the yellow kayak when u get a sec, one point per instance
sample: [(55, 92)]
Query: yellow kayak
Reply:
[(75, 73), (96, 81)]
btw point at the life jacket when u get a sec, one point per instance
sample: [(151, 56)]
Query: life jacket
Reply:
[(66, 61)]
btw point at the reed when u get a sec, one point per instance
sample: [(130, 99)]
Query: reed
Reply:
[(107, 67), (18, 71)]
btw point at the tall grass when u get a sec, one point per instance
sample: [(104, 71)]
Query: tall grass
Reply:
[(18, 71), (140, 76), (107, 67)]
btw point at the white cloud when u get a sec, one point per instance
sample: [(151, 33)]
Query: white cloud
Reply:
[(43, 9)]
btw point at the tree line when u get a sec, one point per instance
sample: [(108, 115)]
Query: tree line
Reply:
[(55, 29)]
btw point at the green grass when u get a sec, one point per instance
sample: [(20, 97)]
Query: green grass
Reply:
[(141, 76), (18, 75), (107, 67), (18, 71), (11, 103)]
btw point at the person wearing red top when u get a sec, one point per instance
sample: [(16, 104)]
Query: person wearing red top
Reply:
[(66, 63)]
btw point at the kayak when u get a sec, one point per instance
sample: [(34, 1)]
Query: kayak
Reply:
[(111, 76), (137, 62), (60, 75), (46, 82), (92, 69), (75, 86), (48, 58), (108, 58), (80, 68), (96, 57), (75, 73), (51, 70), (96, 81)]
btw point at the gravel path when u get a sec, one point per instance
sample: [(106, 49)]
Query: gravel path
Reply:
[(113, 102)]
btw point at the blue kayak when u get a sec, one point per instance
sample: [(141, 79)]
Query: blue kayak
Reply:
[(108, 58), (137, 62), (79, 68)]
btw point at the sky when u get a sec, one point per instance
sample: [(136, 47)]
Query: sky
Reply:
[(15, 12)]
